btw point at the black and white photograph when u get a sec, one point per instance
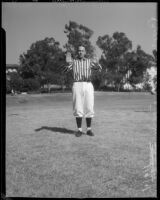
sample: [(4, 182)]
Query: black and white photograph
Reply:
[(81, 99)]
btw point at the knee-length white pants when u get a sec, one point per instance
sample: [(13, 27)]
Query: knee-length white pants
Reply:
[(83, 99)]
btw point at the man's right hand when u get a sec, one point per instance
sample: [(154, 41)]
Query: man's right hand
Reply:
[(68, 58), (69, 62)]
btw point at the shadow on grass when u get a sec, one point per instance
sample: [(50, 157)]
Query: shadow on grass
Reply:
[(56, 129)]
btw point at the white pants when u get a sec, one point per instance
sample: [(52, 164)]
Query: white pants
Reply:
[(83, 99)]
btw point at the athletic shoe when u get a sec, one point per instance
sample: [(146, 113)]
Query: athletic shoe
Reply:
[(78, 133), (90, 133)]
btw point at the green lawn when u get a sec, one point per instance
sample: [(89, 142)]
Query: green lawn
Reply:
[(45, 159)]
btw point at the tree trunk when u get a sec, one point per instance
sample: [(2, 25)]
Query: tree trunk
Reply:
[(118, 87), (62, 88), (49, 88)]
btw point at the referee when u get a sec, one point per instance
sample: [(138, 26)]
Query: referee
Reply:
[(82, 89)]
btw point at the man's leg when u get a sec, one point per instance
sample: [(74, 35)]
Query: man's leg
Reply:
[(77, 99), (89, 101), (79, 123), (88, 122), (78, 106), (89, 130), (89, 107), (79, 126)]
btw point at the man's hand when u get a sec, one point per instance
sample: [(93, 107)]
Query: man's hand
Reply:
[(94, 60), (95, 64), (69, 62), (68, 58)]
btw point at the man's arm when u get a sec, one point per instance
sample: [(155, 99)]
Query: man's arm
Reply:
[(67, 67), (69, 63)]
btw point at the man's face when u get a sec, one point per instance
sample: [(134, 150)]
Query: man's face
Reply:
[(81, 52)]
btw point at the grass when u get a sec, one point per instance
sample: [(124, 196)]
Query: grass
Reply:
[(45, 159)]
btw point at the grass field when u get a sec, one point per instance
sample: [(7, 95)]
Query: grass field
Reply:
[(45, 159)]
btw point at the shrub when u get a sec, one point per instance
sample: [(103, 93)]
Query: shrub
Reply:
[(147, 87), (30, 84), (15, 82), (8, 87), (44, 90)]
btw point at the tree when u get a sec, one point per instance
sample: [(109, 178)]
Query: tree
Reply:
[(150, 76), (155, 64), (154, 55), (112, 60), (138, 63), (42, 61), (15, 82), (8, 86), (78, 34), (96, 79)]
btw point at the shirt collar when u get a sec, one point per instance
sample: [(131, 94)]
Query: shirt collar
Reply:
[(81, 58)]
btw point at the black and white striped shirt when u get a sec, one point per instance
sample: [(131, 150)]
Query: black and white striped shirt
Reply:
[(81, 69)]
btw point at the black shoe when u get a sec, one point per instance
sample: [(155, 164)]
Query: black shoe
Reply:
[(78, 133), (90, 133)]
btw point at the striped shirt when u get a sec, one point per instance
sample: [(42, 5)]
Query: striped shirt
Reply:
[(81, 69)]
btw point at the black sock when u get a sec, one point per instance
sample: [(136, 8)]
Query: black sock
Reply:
[(88, 121), (79, 121)]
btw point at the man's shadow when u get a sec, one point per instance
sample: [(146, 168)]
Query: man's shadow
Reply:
[(56, 129)]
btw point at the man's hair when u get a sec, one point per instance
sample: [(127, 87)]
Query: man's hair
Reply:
[(81, 46)]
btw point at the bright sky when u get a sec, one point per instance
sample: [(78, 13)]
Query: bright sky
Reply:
[(26, 23)]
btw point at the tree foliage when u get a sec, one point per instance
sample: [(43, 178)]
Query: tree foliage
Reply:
[(138, 64), (16, 82), (121, 64), (78, 34), (43, 61), (114, 50)]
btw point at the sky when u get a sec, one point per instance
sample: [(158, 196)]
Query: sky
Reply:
[(26, 23)]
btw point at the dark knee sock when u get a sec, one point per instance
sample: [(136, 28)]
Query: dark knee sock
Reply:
[(79, 121), (88, 121)]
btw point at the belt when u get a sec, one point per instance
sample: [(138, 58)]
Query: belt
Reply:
[(83, 81)]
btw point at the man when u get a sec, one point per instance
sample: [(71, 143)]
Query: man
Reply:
[(82, 90)]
